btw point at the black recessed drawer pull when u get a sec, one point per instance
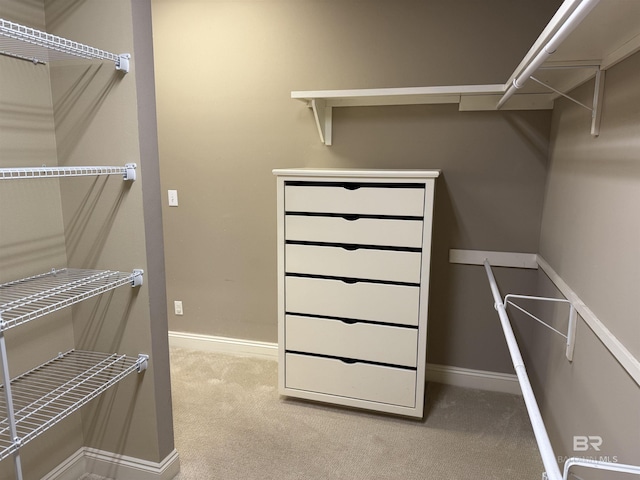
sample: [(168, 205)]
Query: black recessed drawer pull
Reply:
[(351, 186), (348, 321), (351, 217), (347, 360), (351, 248), (350, 281)]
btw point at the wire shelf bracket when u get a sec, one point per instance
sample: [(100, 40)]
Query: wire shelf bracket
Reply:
[(27, 43), (570, 336)]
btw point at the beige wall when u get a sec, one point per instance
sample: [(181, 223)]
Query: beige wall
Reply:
[(97, 123), (224, 73), (591, 235), (84, 113)]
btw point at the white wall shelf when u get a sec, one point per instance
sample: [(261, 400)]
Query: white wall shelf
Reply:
[(468, 97), (40, 47), (128, 172), (582, 40), (33, 297), (54, 390)]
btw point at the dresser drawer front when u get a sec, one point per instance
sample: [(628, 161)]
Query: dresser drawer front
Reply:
[(361, 341), (363, 200), (397, 304), (363, 231), (391, 265), (374, 383)]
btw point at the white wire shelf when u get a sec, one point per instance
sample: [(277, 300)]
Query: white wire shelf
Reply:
[(33, 297), (40, 47), (54, 390), (128, 172)]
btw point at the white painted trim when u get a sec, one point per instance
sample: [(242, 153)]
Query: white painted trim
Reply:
[(480, 379), (209, 343), (115, 466), (617, 349), (496, 259)]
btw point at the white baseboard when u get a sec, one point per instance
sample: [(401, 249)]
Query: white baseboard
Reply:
[(117, 467), (461, 377), (480, 379), (209, 343)]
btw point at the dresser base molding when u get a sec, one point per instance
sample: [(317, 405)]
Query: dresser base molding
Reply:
[(114, 466), (460, 377)]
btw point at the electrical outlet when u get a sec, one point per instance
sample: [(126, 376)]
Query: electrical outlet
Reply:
[(173, 198), (177, 307)]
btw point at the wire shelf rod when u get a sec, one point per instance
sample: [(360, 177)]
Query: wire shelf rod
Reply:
[(128, 172), (33, 297), (65, 384), (41, 46)]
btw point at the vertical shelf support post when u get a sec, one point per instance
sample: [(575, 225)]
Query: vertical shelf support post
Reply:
[(598, 94), (6, 382), (571, 332)]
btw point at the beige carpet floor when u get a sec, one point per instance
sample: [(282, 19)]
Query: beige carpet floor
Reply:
[(230, 423)]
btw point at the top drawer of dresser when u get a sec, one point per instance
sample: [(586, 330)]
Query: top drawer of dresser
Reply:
[(355, 198)]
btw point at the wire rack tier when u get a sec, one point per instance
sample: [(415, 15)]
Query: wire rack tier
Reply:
[(33, 297), (54, 390), (40, 47), (128, 172)]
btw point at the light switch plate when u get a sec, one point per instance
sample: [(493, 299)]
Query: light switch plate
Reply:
[(173, 198)]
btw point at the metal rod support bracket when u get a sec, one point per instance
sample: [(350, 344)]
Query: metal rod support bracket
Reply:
[(598, 94), (571, 328)]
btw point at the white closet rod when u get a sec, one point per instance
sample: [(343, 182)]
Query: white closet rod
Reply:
[(565, 29), (549, 459)]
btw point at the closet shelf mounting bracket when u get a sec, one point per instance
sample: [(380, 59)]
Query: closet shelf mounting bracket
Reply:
[(137, 277), (323, 116), (142, 363), (571, 329)]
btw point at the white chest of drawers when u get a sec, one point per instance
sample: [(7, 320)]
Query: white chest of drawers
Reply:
[(354, 252)]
